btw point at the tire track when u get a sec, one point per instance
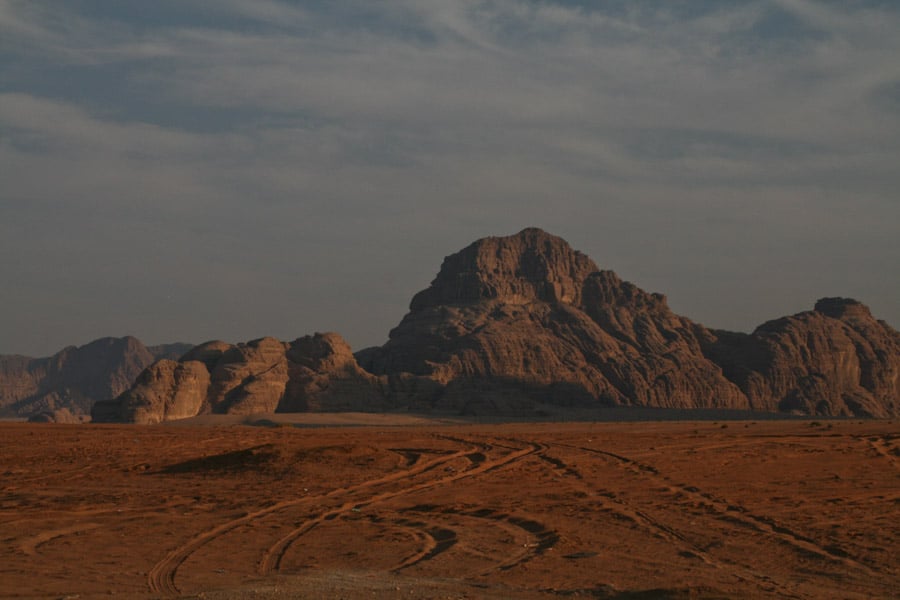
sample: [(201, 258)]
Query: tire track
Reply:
[(274, 556), (427, 542), (733, 513), (640, 518), (882, 447), (161, 578), (538, 538), (30, 545), (438, 538), (625, 511)]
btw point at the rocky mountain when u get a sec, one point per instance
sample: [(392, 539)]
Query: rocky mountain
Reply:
[(836, 359), (510, 323), (312, 373), (65, 386), (527, 317)]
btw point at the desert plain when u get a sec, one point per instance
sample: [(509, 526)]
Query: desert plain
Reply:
[(417, 508)]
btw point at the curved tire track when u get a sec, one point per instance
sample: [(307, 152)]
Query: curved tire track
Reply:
[(274, 556), (538, 538), (161, 578)]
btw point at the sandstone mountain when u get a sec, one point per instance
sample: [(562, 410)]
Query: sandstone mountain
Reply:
[(68, 383), (312, 373), (510, 323), (834, 360)]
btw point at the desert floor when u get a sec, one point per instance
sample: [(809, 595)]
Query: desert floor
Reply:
[(740, 509)]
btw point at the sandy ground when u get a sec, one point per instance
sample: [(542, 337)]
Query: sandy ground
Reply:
[(417, 509)]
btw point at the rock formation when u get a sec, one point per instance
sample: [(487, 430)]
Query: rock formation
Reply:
[(514, 320), (324, 376), (312, 373), (76, 377), (165, 391), (510, 323), (248, 378), (834, 360), (60, 415)]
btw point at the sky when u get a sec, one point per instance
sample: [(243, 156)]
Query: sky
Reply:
[(187, 170)]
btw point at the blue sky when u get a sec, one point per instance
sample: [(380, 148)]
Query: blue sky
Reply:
[(199, 169)]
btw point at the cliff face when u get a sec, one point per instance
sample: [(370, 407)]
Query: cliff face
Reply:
[(312, 373), (515, 321), (167, 390), (74, 378), (834, 360)]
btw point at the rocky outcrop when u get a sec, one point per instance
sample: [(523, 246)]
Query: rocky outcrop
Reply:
[(61, 415), (165, 391), (76, 377), (510, 323), (530, 267), (834, 360), (248, 378), (312, 373), (324, 376)]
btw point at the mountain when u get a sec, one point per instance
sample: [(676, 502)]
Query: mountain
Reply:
[(526, 317), (68, 383), (836, 359), (313, 373), (513, 322)]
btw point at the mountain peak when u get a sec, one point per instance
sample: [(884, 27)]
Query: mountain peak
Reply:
[(840, 308), (529, 266)]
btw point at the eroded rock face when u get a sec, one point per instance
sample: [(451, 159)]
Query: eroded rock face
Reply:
[(313, 373), (529, 267), (834, 360), (208, 353), (76, 377), (324, 376), (508, 320), (249, 378), (165, 391)]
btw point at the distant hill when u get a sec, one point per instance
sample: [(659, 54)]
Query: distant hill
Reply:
[(67, 384), (511, 323)]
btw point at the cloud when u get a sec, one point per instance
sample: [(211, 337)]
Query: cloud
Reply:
[(315, 144)]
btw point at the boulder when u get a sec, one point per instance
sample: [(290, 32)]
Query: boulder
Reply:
[(249, 378), (165, 391)]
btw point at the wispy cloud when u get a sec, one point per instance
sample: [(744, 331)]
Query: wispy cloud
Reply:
[(428, 123)]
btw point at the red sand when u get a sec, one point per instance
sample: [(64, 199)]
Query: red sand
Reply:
[(537, 510)]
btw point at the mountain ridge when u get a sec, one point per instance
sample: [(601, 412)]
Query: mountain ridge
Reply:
[(65, 385), (513, 322)]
